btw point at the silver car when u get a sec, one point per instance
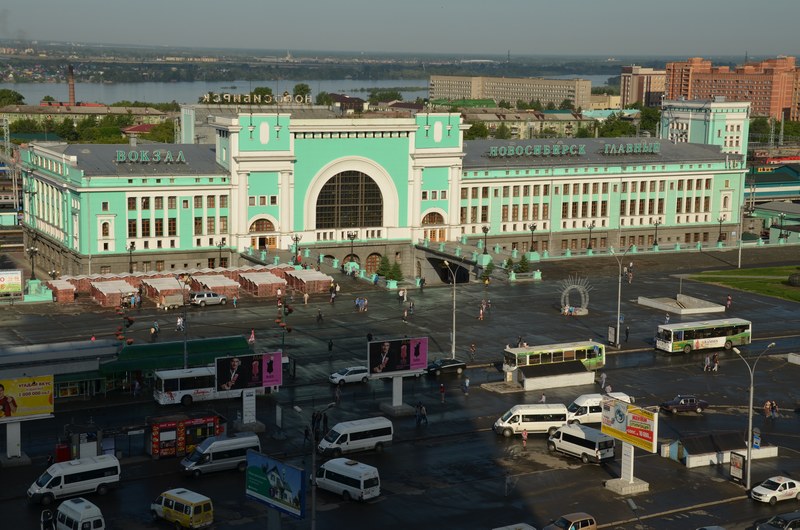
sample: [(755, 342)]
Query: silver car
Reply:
[(204, 298)]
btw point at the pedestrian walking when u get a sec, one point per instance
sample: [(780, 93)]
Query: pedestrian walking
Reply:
[(405, 295), (319, 316), (252, 339), (137, 387), (666, 319), (305, 298), (715, 362), (630, 277), (306, 435), (543, 399), (337, 395), (480, 313), (422, 285), (424, 413), (773, 409), (729, 302), (627, 333), (369, 337), (767, 409), (405, 316), (235, 302), (400, 296), (602, 380), (707, 364), (179, 324), (609, 389), (465, 386), (333, 297), (625, 272), (524, 438), (418, 413), (49, 460), (330, 347), (441, 391)]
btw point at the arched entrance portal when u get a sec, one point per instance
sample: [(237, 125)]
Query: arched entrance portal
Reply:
[(259, 238), (431, 232), (350, 199), (373, 263), (461, 271)]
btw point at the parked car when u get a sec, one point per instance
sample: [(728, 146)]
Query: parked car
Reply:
[(776, 489), (442, 366), (573, 521), (351, 374), (685, 403), (784, 521), (204, 298)]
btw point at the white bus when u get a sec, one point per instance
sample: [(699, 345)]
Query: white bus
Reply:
[(186, 386), (688, 336), (537, 417), (350, 479)]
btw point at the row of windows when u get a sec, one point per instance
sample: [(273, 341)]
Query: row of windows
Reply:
[(339, 478), (370, 433), (568, 208), (188, 383), (536, 418), (585, 188), (94, 474), (592, 445), (144, 203), (434, 195), (586, 169), (638, 207), (262, 200), (155, 227)]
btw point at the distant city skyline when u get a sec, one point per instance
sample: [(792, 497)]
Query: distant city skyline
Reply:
[(578, 27)]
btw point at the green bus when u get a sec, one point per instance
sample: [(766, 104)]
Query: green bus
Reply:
[(592, 354), (688, 336)]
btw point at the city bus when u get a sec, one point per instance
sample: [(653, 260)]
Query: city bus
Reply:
[(592, 354), (688, 336), (186, 386)]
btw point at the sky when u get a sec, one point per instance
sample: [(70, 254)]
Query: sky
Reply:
[(479, 27)]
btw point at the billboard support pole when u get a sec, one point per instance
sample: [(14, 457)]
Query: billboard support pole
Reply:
[(13, 440)]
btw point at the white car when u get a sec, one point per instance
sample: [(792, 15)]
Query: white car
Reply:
[(776, 489), (351, 374)]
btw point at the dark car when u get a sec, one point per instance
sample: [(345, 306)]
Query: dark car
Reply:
[(442, 366), (685, 403), (784, 521)]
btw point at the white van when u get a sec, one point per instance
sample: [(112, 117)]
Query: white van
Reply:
[(590, 445), (218, 453), (350, 479), (357, 435), (67, 479), (538, 417), (79, 514), (587, 408)]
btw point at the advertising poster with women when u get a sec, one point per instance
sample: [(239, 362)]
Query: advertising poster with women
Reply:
[(25, 397), (387, 357), (249, 371)]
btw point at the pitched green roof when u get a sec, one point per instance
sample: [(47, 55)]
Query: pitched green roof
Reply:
[(165, 355)]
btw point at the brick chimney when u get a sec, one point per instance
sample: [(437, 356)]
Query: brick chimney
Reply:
[(71, 84)]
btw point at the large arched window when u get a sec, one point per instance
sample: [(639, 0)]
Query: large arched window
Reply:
[(433, 218), (434, 234), (350, 199), (262, 225)]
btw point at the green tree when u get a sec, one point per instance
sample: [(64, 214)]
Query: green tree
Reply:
[(323, 98), (567, 104), (504, 104), (162, 133), (477, 130), (521, 105), (487, 271), (524, 265), (502, 132), (376, 95), (11, 97), (25, 125), (302, 89), (614, 127), (537, 105), (550, 106), (584, 132), (384, 267), (48, 98), (395, 272), (759, 127), (66, 130), (509, 264)]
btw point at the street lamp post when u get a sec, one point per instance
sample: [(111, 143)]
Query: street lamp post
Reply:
[(130, 250), (656, 224), (453, 336), (351, 235), (220, 246), (752, 370), (532, 228), (591, 227), (296, 238), (720, 221), (485, 234), (183, 283), (782, 216), (619, 289), (32, 252), (314, 465)]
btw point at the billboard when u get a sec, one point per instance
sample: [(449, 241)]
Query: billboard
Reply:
[(630, 424), (276, 484), (10, 282), (24, 397), (397, 355), (249, 371)]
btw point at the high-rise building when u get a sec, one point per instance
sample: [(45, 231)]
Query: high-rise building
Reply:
[(512, 89), (768, 85), (642, 85)]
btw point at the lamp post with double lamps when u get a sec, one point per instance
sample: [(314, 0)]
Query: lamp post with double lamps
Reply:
[(591, 227), (351, 235), (781, 235), (656, 224), (619, 289), (220, 246), (532, 228), (720, 221), (296, 238), (453, 336), (752, 370), (33, 251), (130, 250), (485, 234)]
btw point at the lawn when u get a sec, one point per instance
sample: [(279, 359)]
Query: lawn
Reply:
[(769, 281)]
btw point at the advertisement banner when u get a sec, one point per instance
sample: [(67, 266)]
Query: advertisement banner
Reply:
[(249, 371), (629, 423), (397, 355), (26, 396), (10, 282), (276, 484)]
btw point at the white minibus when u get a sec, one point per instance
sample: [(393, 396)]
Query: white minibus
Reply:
[(67, 479), (79, 514), (350, 479), (588, 408), (590, 445), (357, 435), (538, 417), (218, 453)]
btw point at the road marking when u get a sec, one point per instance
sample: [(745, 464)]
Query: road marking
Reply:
[(670, 512)]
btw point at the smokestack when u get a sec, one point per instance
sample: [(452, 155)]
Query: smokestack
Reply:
[(71, 84)]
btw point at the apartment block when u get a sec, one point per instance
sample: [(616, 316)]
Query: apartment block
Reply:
[(642, 85), (512, 89)]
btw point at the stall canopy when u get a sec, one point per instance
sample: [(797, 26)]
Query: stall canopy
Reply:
[(169, 355)]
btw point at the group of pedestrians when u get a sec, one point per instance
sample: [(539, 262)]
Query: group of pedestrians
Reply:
[(627, 273), (771, 409), (711, 363), (421, 413), (361, 304)]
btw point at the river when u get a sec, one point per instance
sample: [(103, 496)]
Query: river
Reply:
[(191, 92)]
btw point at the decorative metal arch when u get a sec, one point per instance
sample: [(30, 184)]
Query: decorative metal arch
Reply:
[(581, 285)]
